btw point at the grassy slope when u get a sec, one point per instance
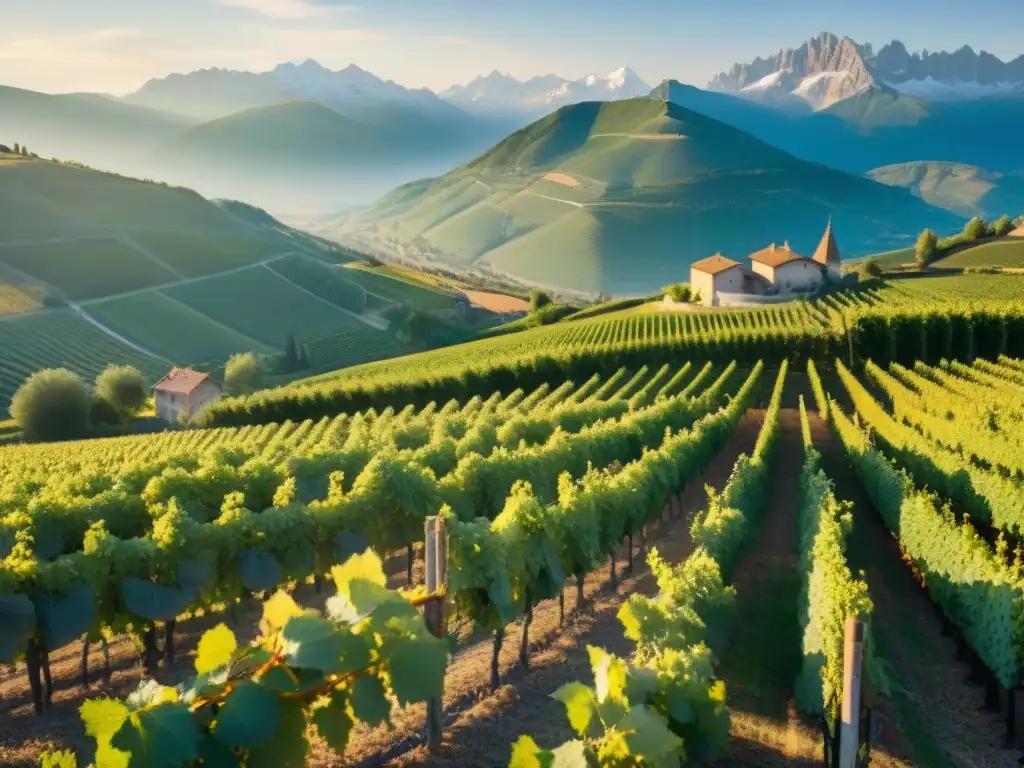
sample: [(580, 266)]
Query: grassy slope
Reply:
[(657, 187), (962, 189), (92, 235), (390, 285), (1001, 253), (262, 305)]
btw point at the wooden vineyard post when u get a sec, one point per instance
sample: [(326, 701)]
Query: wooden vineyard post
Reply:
[(433, 611), (853, 657)]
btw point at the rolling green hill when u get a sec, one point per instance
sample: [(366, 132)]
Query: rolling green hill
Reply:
[(83, 126), (621, 197), (281, 135), (962, 189), (154, 275)]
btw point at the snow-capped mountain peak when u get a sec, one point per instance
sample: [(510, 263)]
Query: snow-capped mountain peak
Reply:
[(502, 93), (827, 69)]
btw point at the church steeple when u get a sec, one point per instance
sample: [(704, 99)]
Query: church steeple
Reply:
[(827, 252)]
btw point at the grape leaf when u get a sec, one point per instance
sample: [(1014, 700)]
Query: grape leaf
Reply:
[(580, 705), (215, 649), (170, 736), (259, 571), (316, 643), (416, 666), (648, 736), (526, 754), (332, 720), (289, 747), (279, 609), (63, 619), (369, 700), (248, 717)]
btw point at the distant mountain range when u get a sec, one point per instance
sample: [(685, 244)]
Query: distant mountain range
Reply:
[(621, 197), (500, 93), (827, 69), (306, 139)]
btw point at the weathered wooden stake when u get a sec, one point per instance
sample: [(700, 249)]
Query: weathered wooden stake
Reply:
[(318, 583), (561, 606), (615, 576), (84, 667), (436, 555), (849, 729), (629, 563), (408, 567), (580, 578)]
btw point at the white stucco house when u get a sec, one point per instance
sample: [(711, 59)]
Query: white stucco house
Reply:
[(181, 393), (776, 270), (716, 274)]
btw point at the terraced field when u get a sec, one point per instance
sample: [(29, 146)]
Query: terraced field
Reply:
[(978, 287), (195, 254), (1002, 253), (87, 269), (397, 290), (172, 329), (352, 346), (262, 305), (61, 339)]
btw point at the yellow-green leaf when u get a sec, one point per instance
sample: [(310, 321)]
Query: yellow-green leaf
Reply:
[(215, 649)]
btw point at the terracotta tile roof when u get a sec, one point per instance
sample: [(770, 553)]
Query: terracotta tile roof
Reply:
[(827, 251), (776, 255), (712, 265), (181, 381)]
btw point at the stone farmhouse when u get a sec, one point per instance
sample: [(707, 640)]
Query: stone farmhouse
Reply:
[(181, 393), (774, 271)]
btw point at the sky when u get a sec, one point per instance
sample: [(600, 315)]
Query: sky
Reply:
[(114, 46)]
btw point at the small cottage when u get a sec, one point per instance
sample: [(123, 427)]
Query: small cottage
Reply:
[(713, 275), (182, 393), (786, 269)]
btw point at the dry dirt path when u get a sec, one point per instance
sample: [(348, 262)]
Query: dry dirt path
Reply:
[(935, 718), (480, 724), (764, 656)]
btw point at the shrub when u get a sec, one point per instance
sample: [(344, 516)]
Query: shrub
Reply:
[(539, 300), (244, 374), (1001, 227), (52, 404), (926, 250), (869, 268), (975, 229), (123, 387), (680, 292)]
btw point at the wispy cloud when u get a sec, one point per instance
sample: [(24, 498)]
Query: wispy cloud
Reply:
[(284, 9)]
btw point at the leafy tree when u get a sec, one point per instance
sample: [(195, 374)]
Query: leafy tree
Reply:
[(539, 300), (123, 387), (291, 355), (52, 405), (976, 229), (926, 250), (244, 373), (869, 268), (1002, 226), (17, 148)]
